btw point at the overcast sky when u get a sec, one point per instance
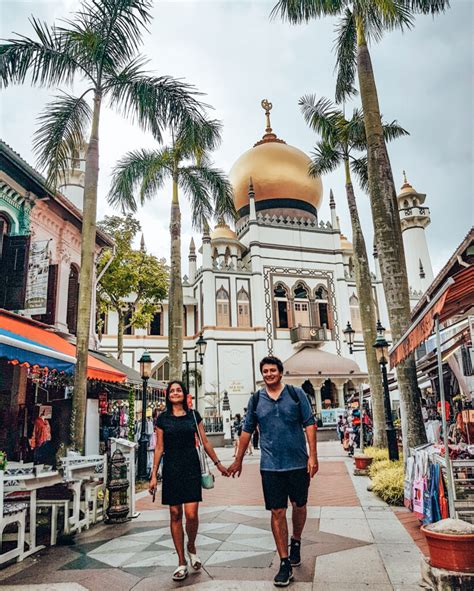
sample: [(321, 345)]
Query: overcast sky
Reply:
[(230, 50)]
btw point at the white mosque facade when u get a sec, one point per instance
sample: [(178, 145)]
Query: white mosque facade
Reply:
[(281, 283)]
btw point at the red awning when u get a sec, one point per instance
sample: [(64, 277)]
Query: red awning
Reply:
[(455, 297), (30, 329)]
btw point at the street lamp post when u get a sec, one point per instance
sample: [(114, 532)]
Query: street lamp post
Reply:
[(349, 333), (145, 363), (201, 345), (381, 352)]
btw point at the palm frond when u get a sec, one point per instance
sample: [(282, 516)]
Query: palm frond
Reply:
[(196, 190), (48, 59), (321, 115), (346, 57), (154, 102), (120, 25), (221, 192), (324, 159), (196, 136), (300, 11), (359, 167), (427, 6), (393, 130), (62, 130), (139, 171), (384, 15)]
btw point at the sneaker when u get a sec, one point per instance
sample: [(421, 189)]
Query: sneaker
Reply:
[(284, 575), (295, 552)]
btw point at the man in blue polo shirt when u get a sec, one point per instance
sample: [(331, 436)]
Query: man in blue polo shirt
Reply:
[(283, 415)]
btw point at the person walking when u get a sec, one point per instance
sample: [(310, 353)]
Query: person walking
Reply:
[(176, 431), (283, 415), (237, 432)]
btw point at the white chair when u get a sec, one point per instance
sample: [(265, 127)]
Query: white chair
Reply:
[(12, 512)]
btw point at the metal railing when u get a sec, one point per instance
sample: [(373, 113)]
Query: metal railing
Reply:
[(315, 334), (213, 424)]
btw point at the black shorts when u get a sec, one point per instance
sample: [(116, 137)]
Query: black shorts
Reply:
[(278, 486)]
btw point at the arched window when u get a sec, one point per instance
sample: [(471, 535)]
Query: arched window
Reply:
[(215, 255), (301, 305), (406, 205), (322, 301), (162, 370), (155, 325), (227, 256), (4, 230), (72, 299), (355, 313), (243, 308), (280, 297), (223, 307)]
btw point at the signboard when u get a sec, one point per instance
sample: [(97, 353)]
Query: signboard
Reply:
[(37, 282), (330, 415)]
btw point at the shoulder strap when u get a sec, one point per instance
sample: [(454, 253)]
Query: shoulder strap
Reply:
[(256, 398), (293, 394)]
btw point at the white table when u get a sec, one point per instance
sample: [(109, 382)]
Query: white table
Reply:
[(31, 483)]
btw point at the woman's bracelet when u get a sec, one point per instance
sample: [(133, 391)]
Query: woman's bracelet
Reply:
[(217, 463)]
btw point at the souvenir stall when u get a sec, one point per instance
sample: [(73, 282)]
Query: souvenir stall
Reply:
[(439, 476)]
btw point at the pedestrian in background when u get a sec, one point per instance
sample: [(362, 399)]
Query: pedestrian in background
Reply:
[(237, 426)]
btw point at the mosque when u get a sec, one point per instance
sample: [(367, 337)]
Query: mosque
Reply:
[(280, 283)]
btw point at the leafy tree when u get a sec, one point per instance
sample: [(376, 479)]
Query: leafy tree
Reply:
[(139, 175), (97, 46), (341, 139), (362, 21), (134, 282)]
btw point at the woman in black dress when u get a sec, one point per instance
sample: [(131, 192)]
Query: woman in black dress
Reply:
[(176, 438)]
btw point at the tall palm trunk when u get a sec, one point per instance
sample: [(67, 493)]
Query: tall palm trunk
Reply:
[(368, 314), (86, 277), (175, 295), (388, 238)]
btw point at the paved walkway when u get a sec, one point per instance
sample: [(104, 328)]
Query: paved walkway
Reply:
[(351, 540)]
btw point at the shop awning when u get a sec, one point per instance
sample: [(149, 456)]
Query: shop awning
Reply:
[(133, 377), (45, 336), (14, 347), (455, 297)]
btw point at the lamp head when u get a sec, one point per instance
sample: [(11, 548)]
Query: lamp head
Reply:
[(201, 345), (145, 363)]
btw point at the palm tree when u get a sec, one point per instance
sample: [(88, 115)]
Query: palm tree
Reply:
[(186, 163), (98, 47), (340, 139), (363, 20)]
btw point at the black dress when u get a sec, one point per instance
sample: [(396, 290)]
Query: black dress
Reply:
[(181, 467)]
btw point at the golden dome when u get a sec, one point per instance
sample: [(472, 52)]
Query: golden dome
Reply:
[(345, 243), (222, 231), (279, 175)]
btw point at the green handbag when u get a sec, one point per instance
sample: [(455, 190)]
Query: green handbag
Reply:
[(207, 478)]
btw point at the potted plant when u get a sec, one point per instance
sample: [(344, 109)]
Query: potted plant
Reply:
[(362, 462), (451, 544)]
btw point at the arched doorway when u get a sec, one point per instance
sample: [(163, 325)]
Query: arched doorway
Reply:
[(328, 395), (72, 299)]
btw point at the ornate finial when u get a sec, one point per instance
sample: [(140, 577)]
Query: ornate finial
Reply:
[(405, 178), (192, 247), (332, 203), (251, 192), (268, 107), (142, 243)]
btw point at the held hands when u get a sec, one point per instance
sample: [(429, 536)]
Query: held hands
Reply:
[(235, 468), (313, 466), (223, 470)]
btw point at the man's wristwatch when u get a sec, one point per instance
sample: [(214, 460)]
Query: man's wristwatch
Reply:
[(217, 463)]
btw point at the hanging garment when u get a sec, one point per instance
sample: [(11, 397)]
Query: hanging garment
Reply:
[(443, 501), (408, 483), (419, 482)]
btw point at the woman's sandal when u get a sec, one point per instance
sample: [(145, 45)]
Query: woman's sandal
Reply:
[(195, 561), (180, 573)]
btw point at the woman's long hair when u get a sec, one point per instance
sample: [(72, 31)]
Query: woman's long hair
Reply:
[(169, 404)]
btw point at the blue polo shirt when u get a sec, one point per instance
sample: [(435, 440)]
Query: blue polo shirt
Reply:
[(281, 424)]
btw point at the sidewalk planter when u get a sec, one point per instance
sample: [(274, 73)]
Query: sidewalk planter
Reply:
[(450, 551), (362, 462)]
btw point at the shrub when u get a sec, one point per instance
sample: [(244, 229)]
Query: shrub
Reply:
[(388, 484), (376, 467), (376, 453)]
